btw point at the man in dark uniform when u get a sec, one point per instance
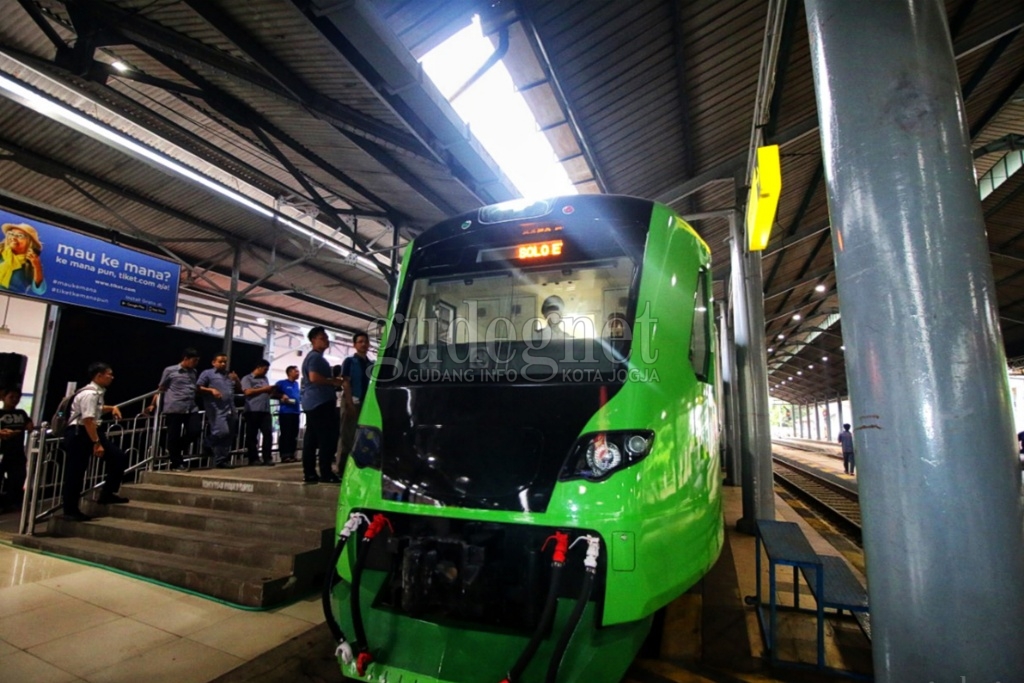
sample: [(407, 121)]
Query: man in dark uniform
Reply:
[(178, 389), (218, 387), (257, 390)]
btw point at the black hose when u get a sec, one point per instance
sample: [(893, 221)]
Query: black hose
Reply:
[(542, 626), (570, 626), (330, 581), (362, 552)]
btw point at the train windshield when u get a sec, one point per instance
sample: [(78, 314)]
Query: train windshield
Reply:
[(564, 322)]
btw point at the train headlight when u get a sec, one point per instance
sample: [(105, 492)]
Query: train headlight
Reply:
[(603, 456), (367, 450), (596, 456)]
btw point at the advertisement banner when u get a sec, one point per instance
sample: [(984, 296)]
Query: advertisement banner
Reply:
[(61, 266)]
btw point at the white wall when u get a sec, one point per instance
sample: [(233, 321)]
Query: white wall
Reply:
[(25, 319)]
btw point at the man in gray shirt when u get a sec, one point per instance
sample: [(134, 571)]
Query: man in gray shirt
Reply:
[(217, 387), (257, 390), (178, 389)]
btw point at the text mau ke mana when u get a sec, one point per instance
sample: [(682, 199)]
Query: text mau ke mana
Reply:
[(86, 260)]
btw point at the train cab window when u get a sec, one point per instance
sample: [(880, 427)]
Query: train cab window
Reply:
[(701, 337), (531, 323)]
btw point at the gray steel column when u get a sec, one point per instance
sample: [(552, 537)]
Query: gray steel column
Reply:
[(752, 379), (45, 362), (839, 400), (934, 433), (229, 324), (828, 421), (730, 428), (817, 420)]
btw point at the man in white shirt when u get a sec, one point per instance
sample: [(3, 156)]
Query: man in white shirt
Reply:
[(84, 439)]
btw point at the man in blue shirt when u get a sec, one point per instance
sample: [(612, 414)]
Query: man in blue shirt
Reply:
[(178, 389), (257, 390), (288, 413), (218, 387), (355, 377), (319, 402)]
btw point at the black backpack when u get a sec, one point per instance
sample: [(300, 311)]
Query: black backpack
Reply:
[(61, 418)]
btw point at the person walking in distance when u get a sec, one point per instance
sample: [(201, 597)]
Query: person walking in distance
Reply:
[(355, 378), (181, 418), (218, 387), (846, 441), (319, 402), (257, 390), (288, 413), (86, 439)]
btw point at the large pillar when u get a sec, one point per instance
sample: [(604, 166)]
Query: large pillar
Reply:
[(730, 426), (752, 379), (817, 420), (229, 322), (930, 402)]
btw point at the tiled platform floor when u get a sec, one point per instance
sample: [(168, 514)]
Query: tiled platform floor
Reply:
[(61, 621)]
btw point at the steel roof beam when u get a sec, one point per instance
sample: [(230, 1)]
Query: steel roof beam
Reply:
[(55, 169), (987, 63), (393, 75), (805, 202), (32, 207), (141, 31), (726, 170), (1001, 100)]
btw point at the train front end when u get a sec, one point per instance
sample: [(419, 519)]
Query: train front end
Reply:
[(536, 469)]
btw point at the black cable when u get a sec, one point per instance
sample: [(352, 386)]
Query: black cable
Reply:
[(362, 552), (542, 626), (330, 581), (570, 627)]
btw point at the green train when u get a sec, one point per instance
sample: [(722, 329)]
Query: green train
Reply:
[(536, 469)]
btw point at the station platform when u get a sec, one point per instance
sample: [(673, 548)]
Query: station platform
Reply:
[(63, 621)]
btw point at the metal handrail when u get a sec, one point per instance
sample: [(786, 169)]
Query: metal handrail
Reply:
[(138, 436)]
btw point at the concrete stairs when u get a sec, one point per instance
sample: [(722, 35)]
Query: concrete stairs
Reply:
[(252, 536)]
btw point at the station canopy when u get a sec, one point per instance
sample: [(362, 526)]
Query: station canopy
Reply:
[(305, 138)]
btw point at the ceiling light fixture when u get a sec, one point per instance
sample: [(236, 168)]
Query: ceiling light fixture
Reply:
[(61, 113)]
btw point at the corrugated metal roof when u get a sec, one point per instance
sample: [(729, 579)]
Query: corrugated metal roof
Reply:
[(647, 97)]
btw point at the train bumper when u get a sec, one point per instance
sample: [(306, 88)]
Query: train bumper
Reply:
[(409, 650)]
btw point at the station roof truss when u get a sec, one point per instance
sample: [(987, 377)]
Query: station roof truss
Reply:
[(319, 111)]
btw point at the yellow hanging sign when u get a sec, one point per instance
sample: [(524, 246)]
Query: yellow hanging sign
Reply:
[(763, 200)]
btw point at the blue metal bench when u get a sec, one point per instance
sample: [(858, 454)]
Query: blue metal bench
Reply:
[(830, 580)]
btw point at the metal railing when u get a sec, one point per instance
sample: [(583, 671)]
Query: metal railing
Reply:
[(141, 437)]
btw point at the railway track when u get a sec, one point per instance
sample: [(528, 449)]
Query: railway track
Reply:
[(839, 504)]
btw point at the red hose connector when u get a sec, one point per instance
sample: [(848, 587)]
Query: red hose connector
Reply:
[(561, 546), (363, 661), (377, 525)]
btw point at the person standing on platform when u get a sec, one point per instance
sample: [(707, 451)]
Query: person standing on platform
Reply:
[(15, 424), (319, 402), (355, 378), (86, 439), (257, 390), (218, 387), (288, 413), (181, 418), (846, 441)]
